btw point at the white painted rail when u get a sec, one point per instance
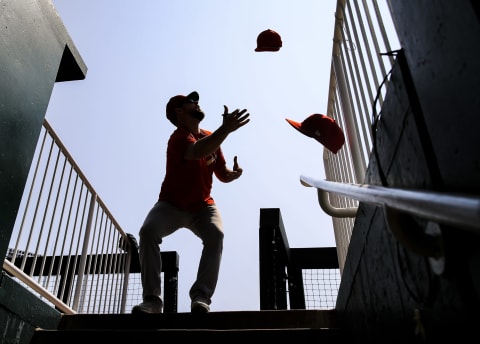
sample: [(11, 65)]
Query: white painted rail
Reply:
[(453, 209)]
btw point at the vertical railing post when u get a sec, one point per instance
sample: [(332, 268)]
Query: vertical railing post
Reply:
[(83, 258), (350, 121), (126, 278)]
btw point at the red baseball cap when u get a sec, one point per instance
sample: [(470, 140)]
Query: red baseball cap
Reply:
[(268, 40), (177, 101), (323, 129)]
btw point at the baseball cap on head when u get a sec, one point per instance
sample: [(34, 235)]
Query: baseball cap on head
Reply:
[(268, 40), (323, 129), (177, 101)]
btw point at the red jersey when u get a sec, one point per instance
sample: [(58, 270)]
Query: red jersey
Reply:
[(188, 183)]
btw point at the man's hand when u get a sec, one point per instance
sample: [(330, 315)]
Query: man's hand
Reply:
[(227, 175), (235, 163), (236, 172), (236, 119), (237, 169)]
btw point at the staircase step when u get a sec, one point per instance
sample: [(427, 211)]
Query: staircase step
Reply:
[(198, 336), (281, 319), (281, 325)]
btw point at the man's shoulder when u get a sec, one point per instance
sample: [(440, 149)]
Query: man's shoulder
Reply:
[(181, 135), (205, 132)]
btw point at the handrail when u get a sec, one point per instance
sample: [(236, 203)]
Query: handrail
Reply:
[(61, 223), (452, 209), (331, 210), (12, 269)]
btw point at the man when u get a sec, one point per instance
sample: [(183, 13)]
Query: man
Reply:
[(193, 156)]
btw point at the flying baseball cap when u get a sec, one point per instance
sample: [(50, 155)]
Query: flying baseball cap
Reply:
[(268, 40), (323, 129), (177, 101)]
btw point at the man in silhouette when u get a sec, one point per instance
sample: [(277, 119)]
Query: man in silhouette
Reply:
[(194, 155)]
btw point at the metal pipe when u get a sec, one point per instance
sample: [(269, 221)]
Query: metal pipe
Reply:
[(457, 210)]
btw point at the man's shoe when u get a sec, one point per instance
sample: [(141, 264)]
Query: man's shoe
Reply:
[(200, 307), (150, 305)]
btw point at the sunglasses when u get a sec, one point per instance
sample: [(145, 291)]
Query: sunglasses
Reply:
[(189, 101)]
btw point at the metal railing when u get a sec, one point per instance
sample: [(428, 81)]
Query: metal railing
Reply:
[(362, 59), (294, 278), (461, 211), (66, 246), (402, 206), (363, 34)]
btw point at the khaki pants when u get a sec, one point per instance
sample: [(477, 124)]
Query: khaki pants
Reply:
[(164, 219)]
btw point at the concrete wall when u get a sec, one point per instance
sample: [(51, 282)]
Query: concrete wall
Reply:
[(36, 51), (21, 312), (427, 139)]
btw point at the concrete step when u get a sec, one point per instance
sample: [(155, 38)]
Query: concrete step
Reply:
[(280, 319), (282, 325), (189, 336)]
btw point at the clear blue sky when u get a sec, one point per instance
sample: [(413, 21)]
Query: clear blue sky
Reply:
[(139, 54)]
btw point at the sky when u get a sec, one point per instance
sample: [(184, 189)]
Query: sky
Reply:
[(139, 55)]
